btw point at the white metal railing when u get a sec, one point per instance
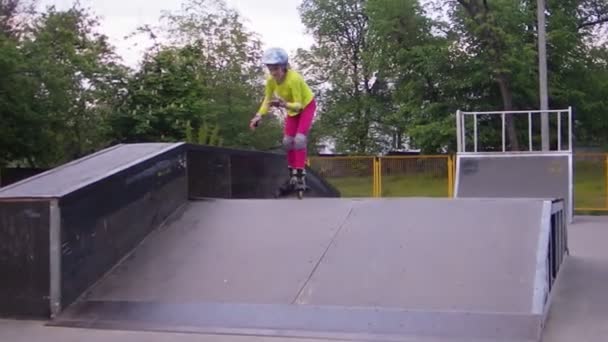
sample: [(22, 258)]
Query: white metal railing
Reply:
[(461, 127)]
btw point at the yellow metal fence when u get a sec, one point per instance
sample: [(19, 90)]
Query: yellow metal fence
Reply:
[(434, 176)]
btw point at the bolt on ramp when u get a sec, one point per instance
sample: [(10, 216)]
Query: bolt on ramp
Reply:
[(357, 269)]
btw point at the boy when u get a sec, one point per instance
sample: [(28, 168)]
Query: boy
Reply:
[(287, 89)]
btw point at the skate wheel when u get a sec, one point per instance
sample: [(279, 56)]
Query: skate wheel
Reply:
[(278, 193)]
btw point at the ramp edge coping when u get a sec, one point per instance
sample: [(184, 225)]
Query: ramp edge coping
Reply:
[(541, 288), (279, 319), (169, 147)]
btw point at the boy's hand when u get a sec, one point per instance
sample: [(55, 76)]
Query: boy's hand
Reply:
[(278, 103), (255, 121)]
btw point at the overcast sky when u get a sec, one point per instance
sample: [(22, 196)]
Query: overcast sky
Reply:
[(276, 21)]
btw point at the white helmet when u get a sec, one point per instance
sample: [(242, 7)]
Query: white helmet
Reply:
[(275, 56)]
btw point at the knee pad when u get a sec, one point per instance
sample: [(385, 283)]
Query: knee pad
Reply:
[(300, 141), (288, 142)]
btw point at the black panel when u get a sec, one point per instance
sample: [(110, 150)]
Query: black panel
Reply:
[(208, 174), (231, 173), (103, 222), (558, 245), (258, 176), (24, 258)]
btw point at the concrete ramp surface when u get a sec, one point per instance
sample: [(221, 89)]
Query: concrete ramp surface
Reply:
[(509, 175), (390, 269), (86, 170)]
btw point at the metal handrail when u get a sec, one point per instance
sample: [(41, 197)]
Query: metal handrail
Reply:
[(461, 128)]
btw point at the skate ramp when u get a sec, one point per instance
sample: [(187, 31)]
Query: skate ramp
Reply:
[(516, 175), (394, 269), (63, 229)]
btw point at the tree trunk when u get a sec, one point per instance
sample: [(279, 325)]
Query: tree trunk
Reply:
[(32, 162), (507, 100), (397, 140)]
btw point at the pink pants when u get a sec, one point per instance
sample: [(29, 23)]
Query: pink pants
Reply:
[(295, 135)]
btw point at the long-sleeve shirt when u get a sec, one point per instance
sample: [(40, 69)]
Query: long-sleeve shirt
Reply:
[(293, 90)]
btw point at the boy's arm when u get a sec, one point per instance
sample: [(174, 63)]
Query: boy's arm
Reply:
[(296, 104), (263, 110)]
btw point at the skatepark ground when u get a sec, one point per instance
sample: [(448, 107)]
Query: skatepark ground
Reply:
[(225, 268), (579, 310), (580, 305)]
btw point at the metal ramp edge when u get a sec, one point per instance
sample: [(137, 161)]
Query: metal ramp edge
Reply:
[(551, 253), (302, 321), (77, 174)]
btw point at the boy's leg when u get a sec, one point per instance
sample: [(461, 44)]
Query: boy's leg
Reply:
[(291, 126), (289, 133), (301, 135)]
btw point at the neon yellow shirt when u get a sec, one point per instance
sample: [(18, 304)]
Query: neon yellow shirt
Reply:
[(294, 91)]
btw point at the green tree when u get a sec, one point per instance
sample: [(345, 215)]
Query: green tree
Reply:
[(60, 77), (500, 36), (19, 116), (18, 113), (208, 71), (425, 77), (340, 61), (77, 79)]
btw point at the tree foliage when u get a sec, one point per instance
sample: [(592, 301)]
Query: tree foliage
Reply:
[(480, 55), (208, 71), (60, 88), (388, 74)]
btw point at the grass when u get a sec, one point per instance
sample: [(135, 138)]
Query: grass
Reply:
[(414, 185), (590, 185), (590, 189), (392, 186), (352, 186)]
